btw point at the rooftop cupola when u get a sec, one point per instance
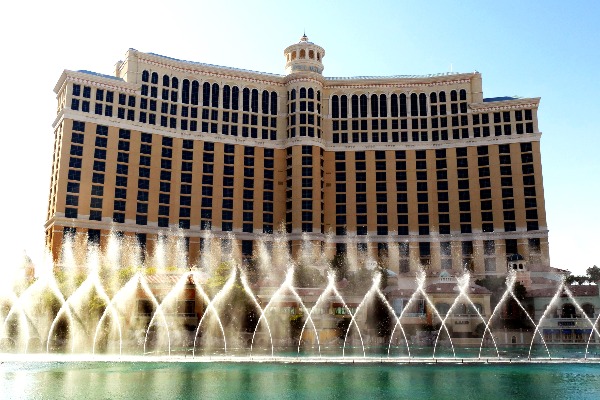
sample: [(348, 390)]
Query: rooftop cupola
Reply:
[(304, 56)]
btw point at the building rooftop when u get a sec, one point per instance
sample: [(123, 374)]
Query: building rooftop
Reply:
[(441, 74), (214, 65), (501, 98), (100, 75), (576, 290)]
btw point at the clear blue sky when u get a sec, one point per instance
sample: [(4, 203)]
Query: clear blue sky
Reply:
[(546, 49)]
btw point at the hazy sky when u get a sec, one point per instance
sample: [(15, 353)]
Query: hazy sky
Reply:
[(547, 49)]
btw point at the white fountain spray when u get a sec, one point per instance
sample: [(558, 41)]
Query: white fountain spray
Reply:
[(546, 311), (286, 285), (218, 297)]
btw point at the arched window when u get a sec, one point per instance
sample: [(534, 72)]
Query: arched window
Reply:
[(568, 311), (374, 106), (335, 112), (293, 55), (302, 93), (246, 99), (302, 53), (254, 100), (414, 104), (226, 96), (235, 98), (382, 106), (311, 93), (588, 309), (403, 110), (195, 90), (354, 106), (453, 96), (206, 94), (311, 54), (442, 97), (154, 80), (318, 95), (363, 105), (293, 94), (145, 76), (422, 104), (273, 103), (344, 106), (433, 98), (442, 309), (215, 95), (265, 102), (175, 83), (318, 56), (166, 81), (185, 91), (463, 94), (394, 105)]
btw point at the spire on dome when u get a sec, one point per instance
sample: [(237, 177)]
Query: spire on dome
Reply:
[(304, 38)]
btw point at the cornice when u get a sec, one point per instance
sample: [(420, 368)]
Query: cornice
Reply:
[(400, 81), (312, 77), (94, 80), (287, 142), (193, 68), (516, 104)]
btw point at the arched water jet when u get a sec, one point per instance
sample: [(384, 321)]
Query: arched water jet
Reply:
[(419, 291), (421, 279), (22, 318), (126, 289), (537, 327), (510, 283), (331, 288), (209, 307), (220, 295), (373, 288), (391, 310), (262, 314), (287, 284), (587, 346), (66, 308), (464, 294), (157, 310), (593, 325), (175, 291)]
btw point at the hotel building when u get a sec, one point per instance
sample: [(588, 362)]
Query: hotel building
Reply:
[(423, 163)]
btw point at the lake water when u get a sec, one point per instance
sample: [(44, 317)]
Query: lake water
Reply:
[(230, 380)]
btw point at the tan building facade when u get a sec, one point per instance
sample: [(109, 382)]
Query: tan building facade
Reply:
[(424, 164)]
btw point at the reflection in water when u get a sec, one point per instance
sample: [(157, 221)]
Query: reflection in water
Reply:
[(290, 381)]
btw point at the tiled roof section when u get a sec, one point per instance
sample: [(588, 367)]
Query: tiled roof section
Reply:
[(158, 279), (100, 75), (501, 98), (215, 66), (576, 290), (393, 76)]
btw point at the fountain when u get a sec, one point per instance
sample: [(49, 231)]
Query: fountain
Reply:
[(98, 302)]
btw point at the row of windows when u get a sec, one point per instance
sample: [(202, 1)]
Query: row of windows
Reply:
[(400, 105), (211, 97)]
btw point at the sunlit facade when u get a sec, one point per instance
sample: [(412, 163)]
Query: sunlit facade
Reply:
[(423, 167)]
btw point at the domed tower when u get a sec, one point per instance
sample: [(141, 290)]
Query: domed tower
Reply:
[(304, 56), (304, 105)]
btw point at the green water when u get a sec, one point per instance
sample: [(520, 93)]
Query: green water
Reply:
[(160, 380)]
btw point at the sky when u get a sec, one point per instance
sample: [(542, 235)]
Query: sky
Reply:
[(548, 49)]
